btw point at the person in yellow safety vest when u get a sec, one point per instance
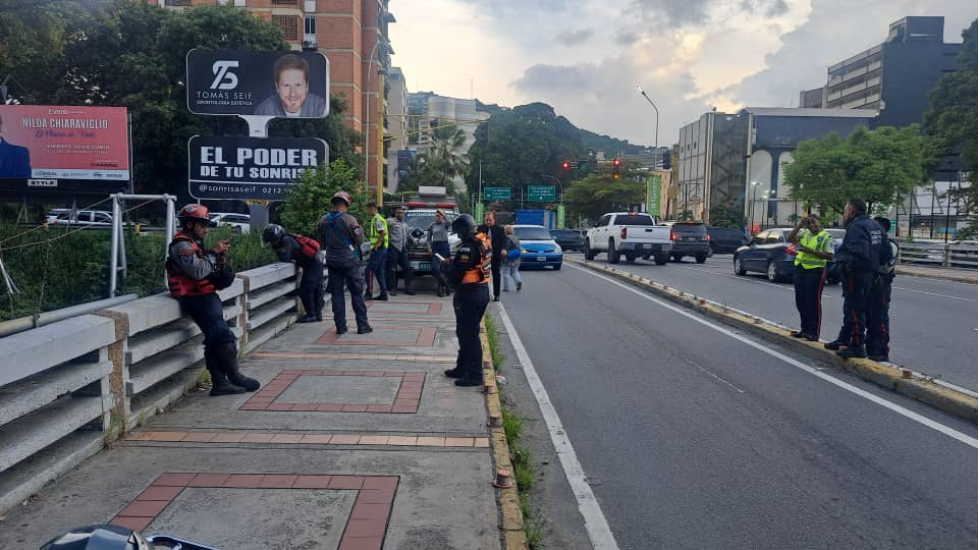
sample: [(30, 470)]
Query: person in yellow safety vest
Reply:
[(814, 247), (377, 233)]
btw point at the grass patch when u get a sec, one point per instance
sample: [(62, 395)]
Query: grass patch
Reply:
[(494, 339), (513, 426)]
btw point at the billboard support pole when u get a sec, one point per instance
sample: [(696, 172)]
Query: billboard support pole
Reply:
[(114, 254), (169, 199), (258, 127), (132, 167)]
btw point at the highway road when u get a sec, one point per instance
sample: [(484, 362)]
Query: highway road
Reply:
[(694, 436), (934, 322)]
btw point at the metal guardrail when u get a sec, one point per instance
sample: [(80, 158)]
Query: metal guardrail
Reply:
[(959, 254), (69, 386)]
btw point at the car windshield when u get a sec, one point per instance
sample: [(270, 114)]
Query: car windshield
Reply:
[(422, 219), (837, 233), (532, 233)]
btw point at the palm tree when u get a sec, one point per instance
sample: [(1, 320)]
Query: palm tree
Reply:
[(446, 152)]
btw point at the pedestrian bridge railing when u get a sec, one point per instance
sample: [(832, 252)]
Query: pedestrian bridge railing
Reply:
[(69, 387), (958, 254)]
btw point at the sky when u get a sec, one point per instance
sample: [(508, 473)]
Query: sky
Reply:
[(586, 57)]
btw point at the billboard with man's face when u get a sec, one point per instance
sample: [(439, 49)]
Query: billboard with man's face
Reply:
[(279, 84), (64, 143)]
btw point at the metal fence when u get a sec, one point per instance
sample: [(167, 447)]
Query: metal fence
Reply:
[(963, 255)]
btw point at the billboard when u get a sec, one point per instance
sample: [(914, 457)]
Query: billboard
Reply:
[(247, 168), (280, 84), (653, 195), (41, 142)]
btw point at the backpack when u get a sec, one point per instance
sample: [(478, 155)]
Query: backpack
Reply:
[(513, 251), (309, 246)]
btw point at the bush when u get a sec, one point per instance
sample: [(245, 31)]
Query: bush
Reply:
[(309, 198)]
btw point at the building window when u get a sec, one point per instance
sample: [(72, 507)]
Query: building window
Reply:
[(177, 3), (288, 24), (309, 25)]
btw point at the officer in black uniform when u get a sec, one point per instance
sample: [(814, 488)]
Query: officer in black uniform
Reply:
[(470, 277), (304, 252), (881, 297)]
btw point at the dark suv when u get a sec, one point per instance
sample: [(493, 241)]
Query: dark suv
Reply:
[(689, 239), (726, 240)]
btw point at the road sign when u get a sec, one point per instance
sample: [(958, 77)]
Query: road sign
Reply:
[(478, 212), (277, 84), (560, 222), (541, 193), (496, 193), (249, 168), (653, 195)]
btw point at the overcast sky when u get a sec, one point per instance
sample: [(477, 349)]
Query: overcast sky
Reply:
[(586, 57)]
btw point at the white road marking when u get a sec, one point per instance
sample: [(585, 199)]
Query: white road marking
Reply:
[(915, 417), (960, 298), (595, 522)]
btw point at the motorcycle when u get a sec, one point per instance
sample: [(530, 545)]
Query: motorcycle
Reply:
[(113, 537)]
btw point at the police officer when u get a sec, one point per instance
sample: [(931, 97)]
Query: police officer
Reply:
[(304, 252), (881, 297), (469, 276), (398, 242), (341, 237), (814, 247), (860, 255), (377, 233), (194, 279)]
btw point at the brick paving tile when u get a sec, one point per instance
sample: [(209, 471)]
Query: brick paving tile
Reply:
[(142, 436), (365, 527), (250, 406), (312, 482), (279, 407), (305, 406), (136, 524), (168, 436), (372, 543), (144, 508), (286, 438), (228, 437), (154, 492), (483, 442), (208, 480), (329, 407), (380, 483), (355, 408), (257, 438), (346, 482), (243, 481), (379, 408), (405, 403), (173, 480), (370, 511), (374, 497), (373, 440), (432, 441), (459, 441), (277, 481), (200, 437), (402, 440), (404, 409), (344, 439), (321, 439)]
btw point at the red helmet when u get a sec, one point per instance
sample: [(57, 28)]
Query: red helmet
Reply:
[(195, 213), (342, 195)]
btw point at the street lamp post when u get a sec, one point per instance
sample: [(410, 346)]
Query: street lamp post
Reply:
[(367, 119), (656, 130), (755, 185), (561, 189)]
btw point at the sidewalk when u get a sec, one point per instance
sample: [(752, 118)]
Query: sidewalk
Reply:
[(353, 442), (947, 273)]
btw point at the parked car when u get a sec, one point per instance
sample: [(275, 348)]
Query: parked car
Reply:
[(838, 235), (568, 239), (628, 234), (725, 240), (768, 252), (538, 248), (689, 239), (239, 223), (63, 216)]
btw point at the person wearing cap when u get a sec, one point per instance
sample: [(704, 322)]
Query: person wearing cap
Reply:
[(438, 239), (377, 233), (304, 252), (881, 296), (341, 236), (194, 276), (469, 276)]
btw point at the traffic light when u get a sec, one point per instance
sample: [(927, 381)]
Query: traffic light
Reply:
[(565, 165), (616, 169)]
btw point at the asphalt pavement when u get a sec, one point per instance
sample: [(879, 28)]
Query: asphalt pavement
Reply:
[(694, 436), (934, 322)]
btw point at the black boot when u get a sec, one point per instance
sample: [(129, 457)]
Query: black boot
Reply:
[(219, 383), (228, 355), (853, 351)]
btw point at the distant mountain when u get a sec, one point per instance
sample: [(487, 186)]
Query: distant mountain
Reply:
[(611, 146)]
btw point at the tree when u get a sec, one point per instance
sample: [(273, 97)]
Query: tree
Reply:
[(878, 166), (441, 162), (950, 125), (599, 193), (309, 198)]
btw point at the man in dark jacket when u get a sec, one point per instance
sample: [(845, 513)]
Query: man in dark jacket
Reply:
[(498, 245), (880, 299), (861, 254), (303, 251), (341, 236)]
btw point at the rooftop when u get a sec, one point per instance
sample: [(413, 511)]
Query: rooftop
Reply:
[(826, 113)]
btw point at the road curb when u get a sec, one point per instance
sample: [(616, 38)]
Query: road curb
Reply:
[(965, 280), (917, 387), (511, 518)]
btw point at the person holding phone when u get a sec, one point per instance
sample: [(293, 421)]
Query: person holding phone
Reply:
[(438, 239), (814, 247)]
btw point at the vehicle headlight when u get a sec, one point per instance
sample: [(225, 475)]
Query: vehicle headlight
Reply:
[(557, 247)]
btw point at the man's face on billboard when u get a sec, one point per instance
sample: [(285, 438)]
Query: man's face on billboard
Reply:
[(292, 88)]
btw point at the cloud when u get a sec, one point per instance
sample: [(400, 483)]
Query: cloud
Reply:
[(574, 37), (671, 12)]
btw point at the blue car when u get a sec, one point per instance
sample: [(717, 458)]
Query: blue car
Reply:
[(538, 248)]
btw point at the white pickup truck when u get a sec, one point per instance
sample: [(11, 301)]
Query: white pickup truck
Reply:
[(628, 234)]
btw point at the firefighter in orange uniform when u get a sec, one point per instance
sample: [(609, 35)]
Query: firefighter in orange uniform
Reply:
[(469, 276), (195, 275)]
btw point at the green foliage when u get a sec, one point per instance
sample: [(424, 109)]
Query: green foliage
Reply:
[(598, 193), (493, 339), (878, 166), (513, 426), (309, 198), (727, 216)]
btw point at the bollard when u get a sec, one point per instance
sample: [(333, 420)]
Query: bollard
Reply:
[(906, 374), (489, 388), (503, 480), (496, 421)]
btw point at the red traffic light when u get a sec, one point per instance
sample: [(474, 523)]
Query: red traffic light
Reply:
[(565, 165), (616, 162)]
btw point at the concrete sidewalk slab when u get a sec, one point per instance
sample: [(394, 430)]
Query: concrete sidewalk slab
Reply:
[(947, 273)]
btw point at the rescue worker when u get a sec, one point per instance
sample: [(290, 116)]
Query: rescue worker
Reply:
[(860, 256), (469, 277), (814, 247), (377, 233), (194, 280), (398, 241), (881, 297), (341, 237), (304, 252)]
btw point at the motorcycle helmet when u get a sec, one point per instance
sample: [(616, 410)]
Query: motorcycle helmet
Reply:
[(273, 233), (463, 224), (98, 537)]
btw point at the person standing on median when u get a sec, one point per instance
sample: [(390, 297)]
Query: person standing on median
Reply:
[(881, 298), (377, 232), (860, 255), (498, 243), (304, 252), (438, 239), (469, 276), (398, 242), (341, 237), (814, 247), (195, 276)]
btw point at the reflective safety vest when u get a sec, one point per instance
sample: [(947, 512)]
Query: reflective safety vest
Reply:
[(480, 273), (372, 229), (813, 242), (179, 282)]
